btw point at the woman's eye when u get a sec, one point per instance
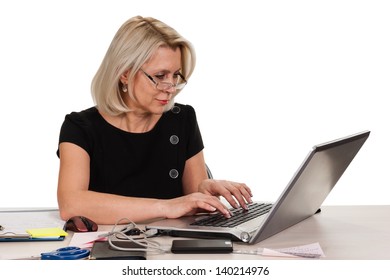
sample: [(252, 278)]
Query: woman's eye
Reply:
[(163, 77), (160, 77), (177, 76)]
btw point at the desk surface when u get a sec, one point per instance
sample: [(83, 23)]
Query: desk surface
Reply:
[(343, 232)]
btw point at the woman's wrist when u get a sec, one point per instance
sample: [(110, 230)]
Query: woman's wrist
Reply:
[(161, 206)]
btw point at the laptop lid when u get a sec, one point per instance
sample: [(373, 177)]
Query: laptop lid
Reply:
[(311, 184)]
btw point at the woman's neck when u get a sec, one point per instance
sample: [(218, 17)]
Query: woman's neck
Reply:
[(138, 123), (133, 122)]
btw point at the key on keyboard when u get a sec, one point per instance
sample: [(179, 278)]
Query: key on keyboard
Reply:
[(239, 216)]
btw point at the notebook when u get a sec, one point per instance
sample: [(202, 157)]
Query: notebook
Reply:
[(31, 225), (303, 196)]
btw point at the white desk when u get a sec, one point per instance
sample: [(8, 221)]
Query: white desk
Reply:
[(344, 232)]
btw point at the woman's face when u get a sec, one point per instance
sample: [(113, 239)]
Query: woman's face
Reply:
[(163, 66)]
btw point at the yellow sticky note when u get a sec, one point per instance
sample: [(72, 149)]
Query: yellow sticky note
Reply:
[(46, 232)]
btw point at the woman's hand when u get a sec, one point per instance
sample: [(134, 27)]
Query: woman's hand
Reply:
[(191, 204), (233, 192)]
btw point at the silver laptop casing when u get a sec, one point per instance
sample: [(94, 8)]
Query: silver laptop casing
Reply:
[(311, 184)]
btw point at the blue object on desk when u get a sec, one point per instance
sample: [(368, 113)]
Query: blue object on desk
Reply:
[(66, 253)]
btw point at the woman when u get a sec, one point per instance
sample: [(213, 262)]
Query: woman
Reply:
[(137, 154)]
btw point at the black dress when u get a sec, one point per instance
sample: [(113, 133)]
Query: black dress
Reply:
[(147, 164)]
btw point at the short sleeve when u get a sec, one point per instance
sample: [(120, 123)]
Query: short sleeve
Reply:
[(75, 129), (195, 141)]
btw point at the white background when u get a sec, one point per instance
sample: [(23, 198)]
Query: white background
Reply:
[(273, 78)]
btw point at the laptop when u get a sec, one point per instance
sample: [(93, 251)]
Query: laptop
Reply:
[(311, 184)]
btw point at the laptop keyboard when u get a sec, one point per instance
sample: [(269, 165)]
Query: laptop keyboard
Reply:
[(239, 216)]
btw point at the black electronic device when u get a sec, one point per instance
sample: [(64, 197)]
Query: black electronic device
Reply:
[(202, 246), (103, 251)]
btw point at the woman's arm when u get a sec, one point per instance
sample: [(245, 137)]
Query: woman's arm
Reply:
[(74, 198)]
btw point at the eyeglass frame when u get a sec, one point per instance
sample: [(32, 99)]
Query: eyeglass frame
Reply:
[(171, 85)]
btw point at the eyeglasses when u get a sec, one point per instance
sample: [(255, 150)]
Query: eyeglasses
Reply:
[(178, 85)]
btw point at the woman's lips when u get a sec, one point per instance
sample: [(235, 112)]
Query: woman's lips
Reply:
[(163, 102)]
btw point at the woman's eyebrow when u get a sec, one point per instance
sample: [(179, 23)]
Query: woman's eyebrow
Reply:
[(166, 71)]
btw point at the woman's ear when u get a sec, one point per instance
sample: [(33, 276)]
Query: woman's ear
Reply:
[(124, 77)]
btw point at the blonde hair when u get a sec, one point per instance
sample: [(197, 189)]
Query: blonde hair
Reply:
[(133, 44)]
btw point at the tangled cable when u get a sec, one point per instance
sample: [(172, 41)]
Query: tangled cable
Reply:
[(140, 243)]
